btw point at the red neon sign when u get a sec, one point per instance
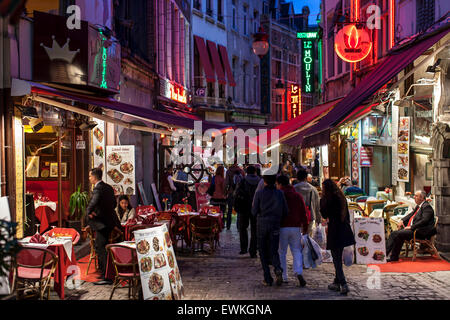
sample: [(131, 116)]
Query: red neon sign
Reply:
[(178, 94), (295, 100), (352, 44)]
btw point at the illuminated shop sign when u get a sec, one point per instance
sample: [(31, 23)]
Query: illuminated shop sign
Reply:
[(352, 43), (308, 35), (308, 66), (295, 100)]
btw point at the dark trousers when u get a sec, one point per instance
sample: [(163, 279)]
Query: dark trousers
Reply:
[(101, 240), (222, 204), (230, 201), (244, 220), (337, 261), (396, 240), (268, 243)]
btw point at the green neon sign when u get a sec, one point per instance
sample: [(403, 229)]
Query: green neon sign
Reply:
[(308, 35), (307, 66), (104, 83)]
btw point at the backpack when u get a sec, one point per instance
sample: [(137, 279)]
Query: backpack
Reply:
[(244, 195), (237, 178)]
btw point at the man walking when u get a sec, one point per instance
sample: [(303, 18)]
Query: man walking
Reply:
[(243, 198), (232, 178), (101, 218), (269, 207), (291, 229), (310, 196)]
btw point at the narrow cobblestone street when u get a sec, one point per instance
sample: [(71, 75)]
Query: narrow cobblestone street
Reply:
[(226, 275)]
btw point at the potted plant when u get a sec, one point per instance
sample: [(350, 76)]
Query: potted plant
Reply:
[(77, 207), (9, 247)]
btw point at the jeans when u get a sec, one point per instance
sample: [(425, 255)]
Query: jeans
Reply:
[(337, 261), (101, 240), (268, 243), (244, 220), (291, 236)]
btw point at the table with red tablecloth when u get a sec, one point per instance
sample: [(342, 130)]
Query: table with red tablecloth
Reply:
[(187, 219), (46, 215), (61, 268)]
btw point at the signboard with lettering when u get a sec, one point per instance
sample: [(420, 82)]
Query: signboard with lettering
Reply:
[(352, 43), (173, 91), (370, 240), (295, 100), (366, 155), (120, 166), (308, 66)]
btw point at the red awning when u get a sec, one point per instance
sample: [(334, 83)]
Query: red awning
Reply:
[(216, 62), (226, 63), (184, 114), (292, 129), (204, 58), (394, 63)]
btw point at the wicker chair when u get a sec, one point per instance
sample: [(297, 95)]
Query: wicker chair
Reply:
[(374, 204), (204, 229), (93, 253), (415, 242), (126, 267), (34, 266)]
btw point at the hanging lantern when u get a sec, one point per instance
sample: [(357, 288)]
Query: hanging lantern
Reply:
[(260, 43)]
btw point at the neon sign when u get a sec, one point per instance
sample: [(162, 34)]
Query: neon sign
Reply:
[(308, 35), (352, 43), (308, 66), (104, 84), (177, 94), (295, 100)]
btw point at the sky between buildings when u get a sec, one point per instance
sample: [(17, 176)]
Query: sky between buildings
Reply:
[(314, 8)]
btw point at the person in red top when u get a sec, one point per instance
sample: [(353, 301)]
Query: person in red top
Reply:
[(291, 229)]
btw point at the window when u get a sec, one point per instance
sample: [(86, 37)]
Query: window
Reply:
[(234, 64), (219, 11), (425, 14), (245, 20), (197, 4), (244, 82), (255, 22), (211, 86), (209, 10), (221, 91), (234, 24), (330, 54), (265, 7), (255, 85)]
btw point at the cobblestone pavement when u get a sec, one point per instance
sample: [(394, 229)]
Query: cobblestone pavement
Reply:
[(226, 275)]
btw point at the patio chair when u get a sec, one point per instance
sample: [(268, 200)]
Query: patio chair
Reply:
[(374, 204), (93, 253), (64, 231), (126, 267), (388, 212), (428, 244), (34, 266), (204, 229), (401, 210), (179, 232)]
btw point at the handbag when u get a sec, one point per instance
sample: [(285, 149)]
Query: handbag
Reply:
[(212, 187)]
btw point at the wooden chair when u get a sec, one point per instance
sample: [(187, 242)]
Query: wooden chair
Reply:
[(374, 204), (429, 244), (126, 267), (93, 253), (34, 266), (362, 199), (64, 231), (203, 229), (388, 212)]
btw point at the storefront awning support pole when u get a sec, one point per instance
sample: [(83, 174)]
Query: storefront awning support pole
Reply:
[(99, 116)]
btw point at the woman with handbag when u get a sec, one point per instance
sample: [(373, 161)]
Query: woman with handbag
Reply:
[(218, 193), (333, 206)]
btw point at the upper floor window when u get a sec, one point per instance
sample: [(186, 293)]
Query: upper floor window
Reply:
[(245, 20), (234, 17), (209, 10), (220, 10), (198, 4), (255, 22)]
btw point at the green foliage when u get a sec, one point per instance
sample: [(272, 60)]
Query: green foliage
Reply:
[(78, 203)]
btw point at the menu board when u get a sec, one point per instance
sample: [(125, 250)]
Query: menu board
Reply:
[(395, 112), (120, 172), (366, 156), (355, 161), (201, 194), (98, 146), (370, 241), (160, 276), (403, 148)]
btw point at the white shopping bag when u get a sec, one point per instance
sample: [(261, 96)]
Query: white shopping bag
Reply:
[(312, 255)]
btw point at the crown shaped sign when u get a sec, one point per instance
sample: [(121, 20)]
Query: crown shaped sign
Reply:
[(56, 52)]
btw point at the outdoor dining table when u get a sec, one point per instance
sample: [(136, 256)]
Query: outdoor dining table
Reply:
[(186, 217), (65, 260)]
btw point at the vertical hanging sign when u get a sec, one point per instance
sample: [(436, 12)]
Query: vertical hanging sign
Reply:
[(307, 66), (403, 149), (295, 99), (98, 146)]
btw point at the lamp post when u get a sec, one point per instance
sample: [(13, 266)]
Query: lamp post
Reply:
[(260, 43)]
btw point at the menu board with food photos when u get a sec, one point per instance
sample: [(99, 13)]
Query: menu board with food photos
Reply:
[(120, 166), (160, 276), (403, 148), (98, 146), (370, 241)]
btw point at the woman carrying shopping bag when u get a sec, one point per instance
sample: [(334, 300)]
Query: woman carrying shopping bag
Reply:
[(333, 206)]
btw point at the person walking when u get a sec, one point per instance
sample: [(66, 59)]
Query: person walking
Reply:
[(232, 178), (333, 206), (243, 198), (310, 196), (219, 196), (291, 229), (269, 208), (102, 218)]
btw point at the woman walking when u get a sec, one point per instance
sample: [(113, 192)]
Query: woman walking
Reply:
[(333, 206), (219, 196)]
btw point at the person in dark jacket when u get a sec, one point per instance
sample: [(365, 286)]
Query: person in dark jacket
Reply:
[(101, 217), (420, 219), (243, 198), (291, 229), (333, 206), (167, 187), (233, 175), (269, 208)]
